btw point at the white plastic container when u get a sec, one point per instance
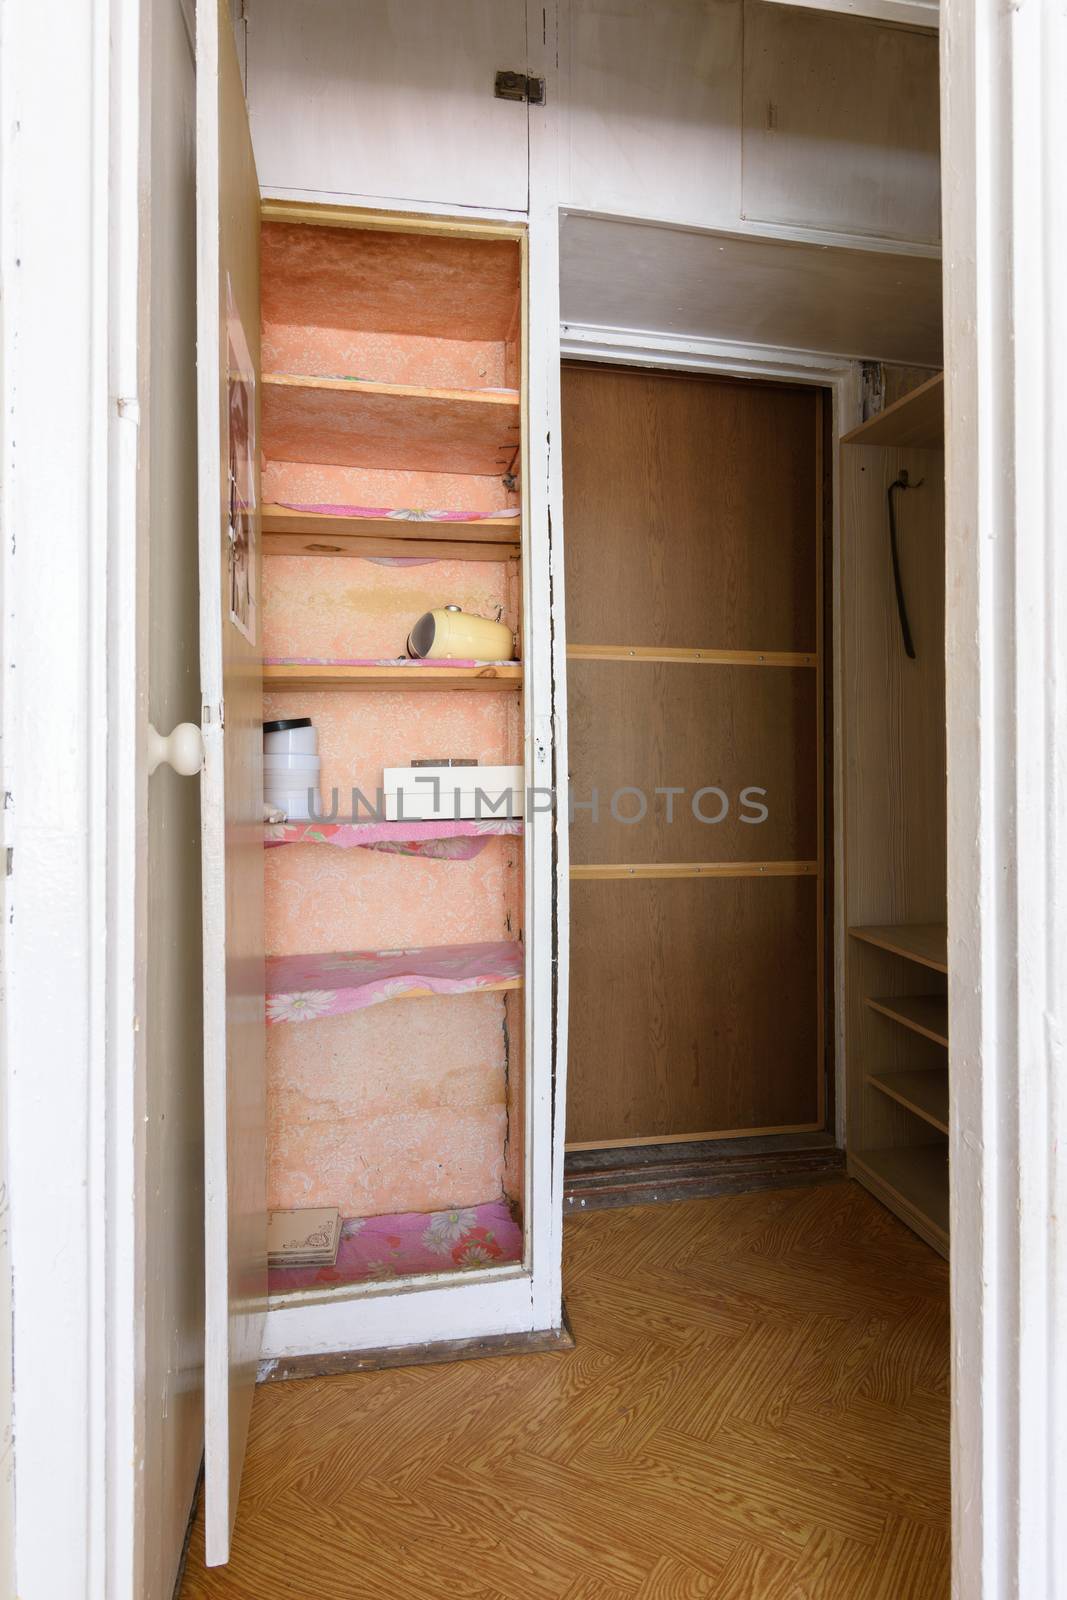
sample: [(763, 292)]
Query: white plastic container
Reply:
[(291, 736), (294, 801), (294, 763)]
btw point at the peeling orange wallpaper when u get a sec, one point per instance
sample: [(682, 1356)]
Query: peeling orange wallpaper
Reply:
[(397, 1108)]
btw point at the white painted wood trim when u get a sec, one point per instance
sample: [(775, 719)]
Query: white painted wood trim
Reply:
[(368, 202), (73, 983), (632, 347), (491, 1304), (1004, 132)]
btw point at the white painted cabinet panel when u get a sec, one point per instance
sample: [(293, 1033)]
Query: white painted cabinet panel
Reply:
[(389, 99), (653, 107), (840, 124)]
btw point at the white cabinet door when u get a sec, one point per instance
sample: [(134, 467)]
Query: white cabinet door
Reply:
[(231, 784), (389, 99), (841, 124)]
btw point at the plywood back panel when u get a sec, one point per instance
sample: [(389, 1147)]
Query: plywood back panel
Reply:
[(688, 508), (894, 708), (693, 519), (648, 726), (693, 1007)]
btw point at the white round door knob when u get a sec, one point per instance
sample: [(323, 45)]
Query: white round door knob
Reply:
[(183, 749)]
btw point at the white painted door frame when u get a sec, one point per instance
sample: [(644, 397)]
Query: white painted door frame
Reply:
[(74, 637), (1004, 131), (72, 764)]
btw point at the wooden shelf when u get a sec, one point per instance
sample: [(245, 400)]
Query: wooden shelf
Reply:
[(916, 422), (487, 676), (923, 1092), (924, 942), (309, 533), (303, 988), (912, 1180), (922, 1013), (344, 422)]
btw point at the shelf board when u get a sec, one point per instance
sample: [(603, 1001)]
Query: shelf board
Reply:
[(332, 984), (310, 533), (922, 1013), (917, 422), (924, 1092), (913, 1182), (487, 676), (924, 942), (347, 423)]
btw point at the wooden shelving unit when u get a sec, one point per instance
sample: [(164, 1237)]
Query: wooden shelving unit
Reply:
[(916, 422), (486, 677), (926, 1014), (923, 942), (309, 533), (895, 1007), (348, 423)]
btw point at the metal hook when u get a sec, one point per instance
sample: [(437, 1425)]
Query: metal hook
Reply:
[(902, 482)]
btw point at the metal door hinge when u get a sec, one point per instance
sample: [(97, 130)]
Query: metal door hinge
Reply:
[(517, 86)]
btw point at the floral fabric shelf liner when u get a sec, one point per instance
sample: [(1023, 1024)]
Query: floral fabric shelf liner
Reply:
[(461, 840), (394, 513), (411, 1244), (301, 988)]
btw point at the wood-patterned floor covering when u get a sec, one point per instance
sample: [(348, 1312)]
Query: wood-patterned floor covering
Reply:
[(757, 1409)]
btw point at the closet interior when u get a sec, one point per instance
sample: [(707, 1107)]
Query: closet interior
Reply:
[(392, 401)]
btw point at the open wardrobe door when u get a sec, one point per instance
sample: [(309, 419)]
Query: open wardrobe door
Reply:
[(231, 782)]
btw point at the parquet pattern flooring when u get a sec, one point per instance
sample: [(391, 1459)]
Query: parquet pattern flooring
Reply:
[(756, 1409)]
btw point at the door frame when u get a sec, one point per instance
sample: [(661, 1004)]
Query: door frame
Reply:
[(1005, 224), (843, 378), (75, 628)]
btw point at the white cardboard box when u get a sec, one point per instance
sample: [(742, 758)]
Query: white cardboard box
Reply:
[(445, 794)]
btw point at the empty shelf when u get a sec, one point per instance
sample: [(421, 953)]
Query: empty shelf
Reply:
[(302, 676), (913, 1182), (345, 422), (924, 1092), (303, 988), (922, 1013), (924, 942), (287, 531), (916, 422)]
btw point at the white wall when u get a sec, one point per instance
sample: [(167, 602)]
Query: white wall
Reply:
[(173, 1282)]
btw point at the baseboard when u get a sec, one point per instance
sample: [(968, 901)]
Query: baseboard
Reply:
[(645, 1174), (329, 1364)]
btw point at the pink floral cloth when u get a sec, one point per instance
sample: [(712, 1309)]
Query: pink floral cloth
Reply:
[(302, 988), (413, 1243), (441, 841), (416, 663), (394, 514)]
